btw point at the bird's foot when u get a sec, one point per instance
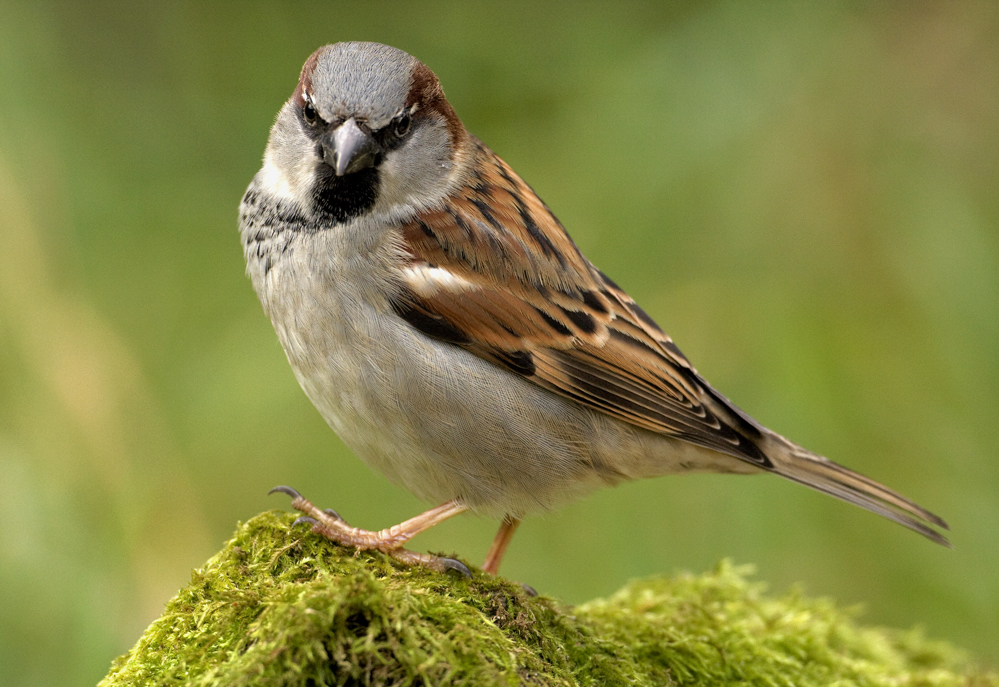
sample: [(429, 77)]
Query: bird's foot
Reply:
[(389, 541)]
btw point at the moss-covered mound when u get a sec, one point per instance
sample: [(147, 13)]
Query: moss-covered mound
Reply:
[(283, 607)]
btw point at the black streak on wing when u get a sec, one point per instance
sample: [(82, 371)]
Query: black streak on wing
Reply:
[(582, 320), (608, 281), (520, 362), (428, 231), (486, 214), (672, 348), (557, 326), (745, 423), (539, 238), (643, 316), (431, 325), (461, 224), (626, 338), (592, 301), (749, 450)]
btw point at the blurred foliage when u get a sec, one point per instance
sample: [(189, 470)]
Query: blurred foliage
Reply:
[(803, 195)]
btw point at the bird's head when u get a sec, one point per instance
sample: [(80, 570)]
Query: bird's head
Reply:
[(367, 129)]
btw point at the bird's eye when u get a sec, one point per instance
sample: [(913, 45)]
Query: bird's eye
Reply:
[(401, 125), (309, 112)]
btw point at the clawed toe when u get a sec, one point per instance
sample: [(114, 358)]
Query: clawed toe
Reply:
[(282, 489), (456, 565), (326, 522), (305, 519), (429, 560)]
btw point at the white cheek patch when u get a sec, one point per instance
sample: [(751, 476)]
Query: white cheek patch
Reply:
[(291, 185), (420, 172), (427, 281)]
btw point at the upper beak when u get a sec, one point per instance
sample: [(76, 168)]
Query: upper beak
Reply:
[(348, 149)]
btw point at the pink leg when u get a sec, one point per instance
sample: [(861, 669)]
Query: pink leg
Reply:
[(502, 540)]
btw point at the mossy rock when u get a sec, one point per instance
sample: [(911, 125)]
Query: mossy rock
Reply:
[(281, 606)]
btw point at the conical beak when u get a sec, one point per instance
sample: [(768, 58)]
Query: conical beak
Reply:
[(348, 149)]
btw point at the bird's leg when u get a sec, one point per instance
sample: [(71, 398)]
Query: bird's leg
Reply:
[(389, 540), (502, 540)]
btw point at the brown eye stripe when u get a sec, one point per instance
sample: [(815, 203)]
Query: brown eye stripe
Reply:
[(305, 78), (426, 94)]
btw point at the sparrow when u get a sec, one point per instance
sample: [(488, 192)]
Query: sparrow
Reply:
[(445, 325)]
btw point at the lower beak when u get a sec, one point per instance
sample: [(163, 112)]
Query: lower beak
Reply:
[(348, 149)]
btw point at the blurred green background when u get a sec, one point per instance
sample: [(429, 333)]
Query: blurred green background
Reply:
[(805, 195)]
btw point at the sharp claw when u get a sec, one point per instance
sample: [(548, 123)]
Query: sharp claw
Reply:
[(458, 566), (529, 590), (333, 514), (285, 490), (305, 519)]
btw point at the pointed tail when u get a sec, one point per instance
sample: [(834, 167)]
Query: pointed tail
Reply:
[(804, 467)]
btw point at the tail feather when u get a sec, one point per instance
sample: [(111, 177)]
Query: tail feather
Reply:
[(804, 467)]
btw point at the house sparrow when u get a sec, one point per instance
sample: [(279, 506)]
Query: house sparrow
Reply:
[(444, 324)]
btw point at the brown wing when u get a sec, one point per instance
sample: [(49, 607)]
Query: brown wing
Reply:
[(495, 273)]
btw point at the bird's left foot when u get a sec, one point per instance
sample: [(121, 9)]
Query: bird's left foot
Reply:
[(390, 541)]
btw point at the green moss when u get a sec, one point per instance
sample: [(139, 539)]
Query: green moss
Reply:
[(283, 607)]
